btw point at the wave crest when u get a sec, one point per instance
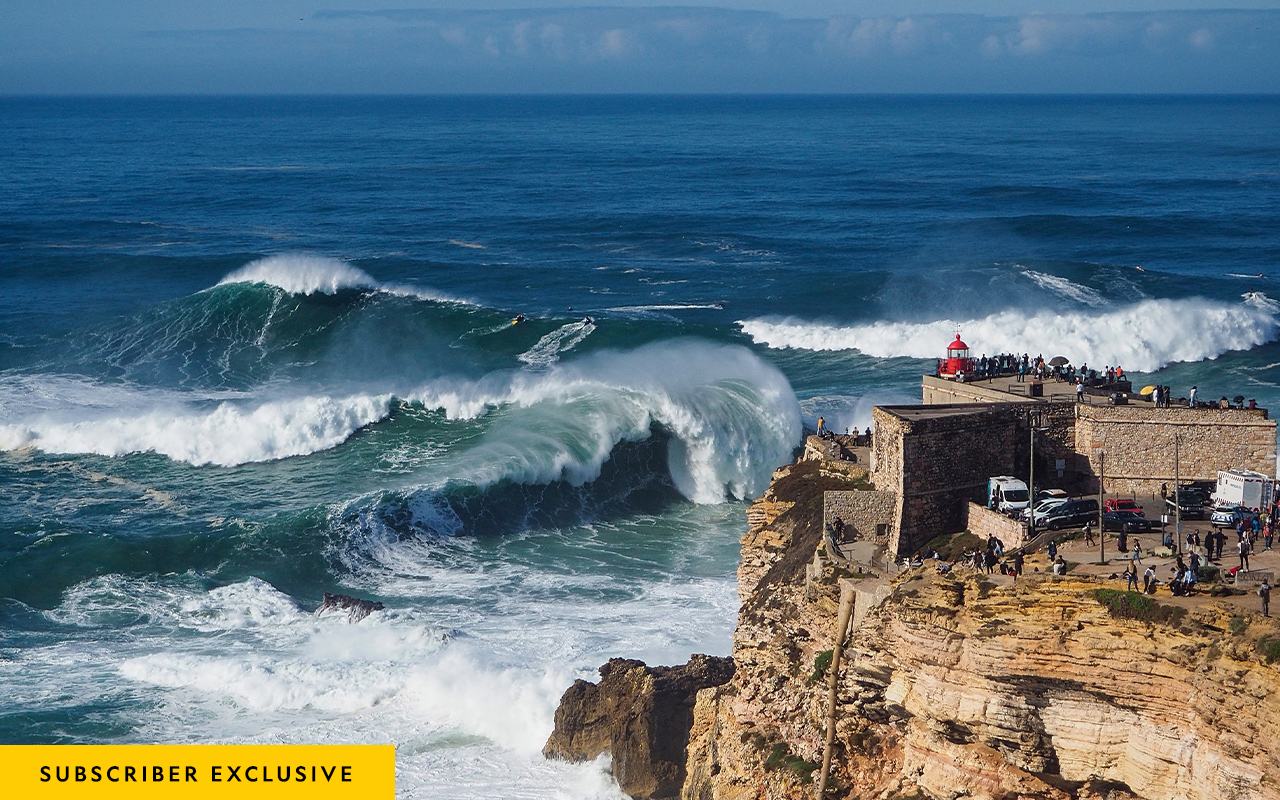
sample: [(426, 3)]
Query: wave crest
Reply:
[(1142, 337), (302, 274)]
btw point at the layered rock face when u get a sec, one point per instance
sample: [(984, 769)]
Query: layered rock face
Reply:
[(959, 687), (977, 687), (639, 714)]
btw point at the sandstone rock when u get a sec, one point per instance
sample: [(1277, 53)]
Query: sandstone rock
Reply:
[(641, 715)]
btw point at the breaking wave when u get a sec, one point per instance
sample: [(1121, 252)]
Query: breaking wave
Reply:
[(301, 274), (307, 274), (226, 433), (730, 416), (1142, 337)]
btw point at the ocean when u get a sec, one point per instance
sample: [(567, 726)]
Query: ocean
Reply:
[(257, 349)]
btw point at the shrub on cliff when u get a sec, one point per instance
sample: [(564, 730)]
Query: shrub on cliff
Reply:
[(1132, 605)]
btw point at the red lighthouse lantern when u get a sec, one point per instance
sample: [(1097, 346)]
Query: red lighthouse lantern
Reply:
[(958, 364)]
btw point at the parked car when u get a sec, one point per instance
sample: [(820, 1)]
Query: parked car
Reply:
[(1122, 504), (1071, 513), (1191, 500), (1124, 520), (1229, 516), (1043, 507)]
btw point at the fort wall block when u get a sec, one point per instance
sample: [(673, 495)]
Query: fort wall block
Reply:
[(1139, 444), (937, 459), (984, 522), (867, 515)]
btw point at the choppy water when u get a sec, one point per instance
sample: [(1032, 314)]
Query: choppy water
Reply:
[(252, 350)]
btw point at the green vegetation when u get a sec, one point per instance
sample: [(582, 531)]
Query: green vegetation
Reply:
[(1135, 606), (780, 757), (1237, 625), (821, 663), (1269, 647)]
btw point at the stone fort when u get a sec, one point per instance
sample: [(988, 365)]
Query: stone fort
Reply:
[(929, 463)]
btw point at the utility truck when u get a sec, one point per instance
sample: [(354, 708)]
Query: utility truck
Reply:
[(1243, 487)]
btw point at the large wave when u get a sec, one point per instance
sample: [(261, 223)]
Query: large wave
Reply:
[(731, 419), (1143, 337)]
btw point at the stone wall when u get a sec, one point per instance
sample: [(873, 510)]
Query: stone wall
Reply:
[(984, 522), (940, 459), (1139, 444), (867, 515)]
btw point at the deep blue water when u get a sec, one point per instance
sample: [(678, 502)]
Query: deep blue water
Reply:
[(256, 349)]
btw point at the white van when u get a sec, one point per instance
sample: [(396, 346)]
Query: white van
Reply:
[(1007, 494)]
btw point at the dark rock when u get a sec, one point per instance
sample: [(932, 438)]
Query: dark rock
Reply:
[(356, 608), (639, 714)]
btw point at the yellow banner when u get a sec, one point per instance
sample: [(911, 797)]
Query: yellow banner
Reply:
[(314, 772)]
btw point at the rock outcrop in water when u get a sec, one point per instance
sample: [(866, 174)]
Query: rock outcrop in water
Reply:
[(356, 608), (639, 714), (975, 686)]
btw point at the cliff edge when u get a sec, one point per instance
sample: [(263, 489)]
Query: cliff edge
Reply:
[(979, 686)]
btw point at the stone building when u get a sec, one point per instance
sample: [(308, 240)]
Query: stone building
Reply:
[(929, 461)]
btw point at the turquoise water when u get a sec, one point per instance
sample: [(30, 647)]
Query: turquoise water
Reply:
[(254, 350)]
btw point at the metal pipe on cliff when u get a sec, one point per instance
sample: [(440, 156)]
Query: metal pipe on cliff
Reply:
[(847, 594)]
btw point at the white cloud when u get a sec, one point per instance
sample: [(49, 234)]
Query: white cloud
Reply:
[(684, 49)]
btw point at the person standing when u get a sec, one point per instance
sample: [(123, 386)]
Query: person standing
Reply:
[(1017, 564), (1131, 578), (1137, 552), (822, 427), (1264, 592), (1244, 554), (1191, 398), (1149, 580)]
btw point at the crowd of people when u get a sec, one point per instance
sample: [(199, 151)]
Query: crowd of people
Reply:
[(1184, 574)]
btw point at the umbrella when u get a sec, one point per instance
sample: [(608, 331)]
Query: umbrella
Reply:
[(1147, 390), (1059, 361)]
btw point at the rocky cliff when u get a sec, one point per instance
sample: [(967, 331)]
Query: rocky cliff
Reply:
[(977, 686)]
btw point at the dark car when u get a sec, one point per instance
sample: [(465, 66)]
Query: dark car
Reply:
[(1192, 501), (1126, 521), (1072, 513)]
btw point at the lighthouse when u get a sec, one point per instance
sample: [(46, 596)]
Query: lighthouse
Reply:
[(958, 365)]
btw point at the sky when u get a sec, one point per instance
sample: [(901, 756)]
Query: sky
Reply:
[(527, 46)]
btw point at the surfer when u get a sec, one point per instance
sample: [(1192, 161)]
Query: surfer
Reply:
[(1139, 268), (519, 318), (719, 304), (587, 320)]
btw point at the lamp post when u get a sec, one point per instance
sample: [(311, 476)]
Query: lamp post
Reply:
[(1177, 496), (1102, 531), (1031, 484)]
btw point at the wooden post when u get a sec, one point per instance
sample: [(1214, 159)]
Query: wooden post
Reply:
[(847, 594)]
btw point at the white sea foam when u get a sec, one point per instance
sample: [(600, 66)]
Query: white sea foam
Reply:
[(1084, 295), (1141, 337), (225, 433)]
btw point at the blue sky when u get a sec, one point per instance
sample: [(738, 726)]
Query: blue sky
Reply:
[(382, 46)]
